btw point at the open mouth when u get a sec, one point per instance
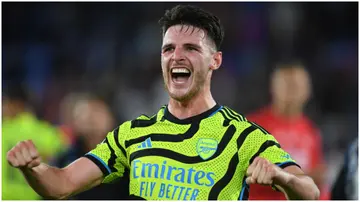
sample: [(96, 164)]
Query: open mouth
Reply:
[(180, 75)]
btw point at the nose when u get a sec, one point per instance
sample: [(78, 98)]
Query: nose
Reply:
[(178, 54)]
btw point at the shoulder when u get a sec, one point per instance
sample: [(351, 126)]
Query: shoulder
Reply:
[(145, 120), (231, 115), (141, 121)]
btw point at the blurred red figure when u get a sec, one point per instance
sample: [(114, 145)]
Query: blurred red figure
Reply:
[(285, 120)]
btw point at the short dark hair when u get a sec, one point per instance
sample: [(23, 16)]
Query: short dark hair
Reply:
[(194, 16)]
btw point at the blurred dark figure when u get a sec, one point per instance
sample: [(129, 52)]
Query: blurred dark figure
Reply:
[(66, 115), (92, 120), (346, 183), (20, 123), (285, 120)]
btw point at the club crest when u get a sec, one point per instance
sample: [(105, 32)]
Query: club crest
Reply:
[(206, 147)]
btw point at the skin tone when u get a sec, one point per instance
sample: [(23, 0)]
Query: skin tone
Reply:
[(189, 49), (290, 89)]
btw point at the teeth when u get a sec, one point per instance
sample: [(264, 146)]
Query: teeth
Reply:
[(180, 70)]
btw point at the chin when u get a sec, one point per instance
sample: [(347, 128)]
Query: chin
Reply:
[(179, 97), (182, 96)]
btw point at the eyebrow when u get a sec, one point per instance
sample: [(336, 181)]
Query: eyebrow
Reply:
[(167, 46), (186, 44), (193, 45)]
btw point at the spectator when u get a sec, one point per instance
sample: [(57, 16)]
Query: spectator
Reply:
[(286, 121), (18, 124), (92, 120)]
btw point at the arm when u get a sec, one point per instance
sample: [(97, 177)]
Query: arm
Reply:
[(291, 180), (52, 182)]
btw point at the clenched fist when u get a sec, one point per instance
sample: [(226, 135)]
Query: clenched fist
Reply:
[(263, 172), (24, 154)]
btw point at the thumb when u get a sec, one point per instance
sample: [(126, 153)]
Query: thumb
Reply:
[(250, 180), (34, 163)]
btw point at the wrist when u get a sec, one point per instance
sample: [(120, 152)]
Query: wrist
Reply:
[(25, 169), (31, 170), (283, 179)]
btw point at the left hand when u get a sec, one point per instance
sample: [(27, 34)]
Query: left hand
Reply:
[(263, 172)]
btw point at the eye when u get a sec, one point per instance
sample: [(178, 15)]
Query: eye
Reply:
[(167, 49), (191, 48)]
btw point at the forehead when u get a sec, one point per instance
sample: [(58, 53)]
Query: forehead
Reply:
[(295, 74), (179, 34)]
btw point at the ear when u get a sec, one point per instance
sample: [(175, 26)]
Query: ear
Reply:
[(216, 60)]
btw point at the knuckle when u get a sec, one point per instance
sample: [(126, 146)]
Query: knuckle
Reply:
[(10, 158), (254, 175), (9, 154), (258, 181), (36, 153), (20, 145), (14, 151)]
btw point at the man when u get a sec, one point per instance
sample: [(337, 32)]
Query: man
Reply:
[(285, 120), (92, 119), (192, 148), (20, 123)]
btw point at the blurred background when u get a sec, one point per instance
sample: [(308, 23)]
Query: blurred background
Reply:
[(61, 58)]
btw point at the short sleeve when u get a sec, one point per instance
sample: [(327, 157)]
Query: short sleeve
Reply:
[(263, 144), (110, 156), (271, 150)]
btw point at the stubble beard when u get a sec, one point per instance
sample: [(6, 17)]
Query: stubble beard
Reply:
[(195, 88)]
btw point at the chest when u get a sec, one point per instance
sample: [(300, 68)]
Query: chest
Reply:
[(196, 158), (197, 142)]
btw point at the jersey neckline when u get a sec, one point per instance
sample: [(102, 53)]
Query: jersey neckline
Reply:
[(170, 117)]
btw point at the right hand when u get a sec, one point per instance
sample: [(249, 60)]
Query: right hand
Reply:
[(24, 155)]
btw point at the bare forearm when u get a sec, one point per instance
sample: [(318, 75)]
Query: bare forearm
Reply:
[(299, 187), (49, 182)]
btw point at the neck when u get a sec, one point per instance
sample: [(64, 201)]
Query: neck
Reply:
[(196, 105), (289, 111)]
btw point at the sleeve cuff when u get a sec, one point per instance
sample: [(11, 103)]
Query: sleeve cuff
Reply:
[(286, 164), (100, 163)]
